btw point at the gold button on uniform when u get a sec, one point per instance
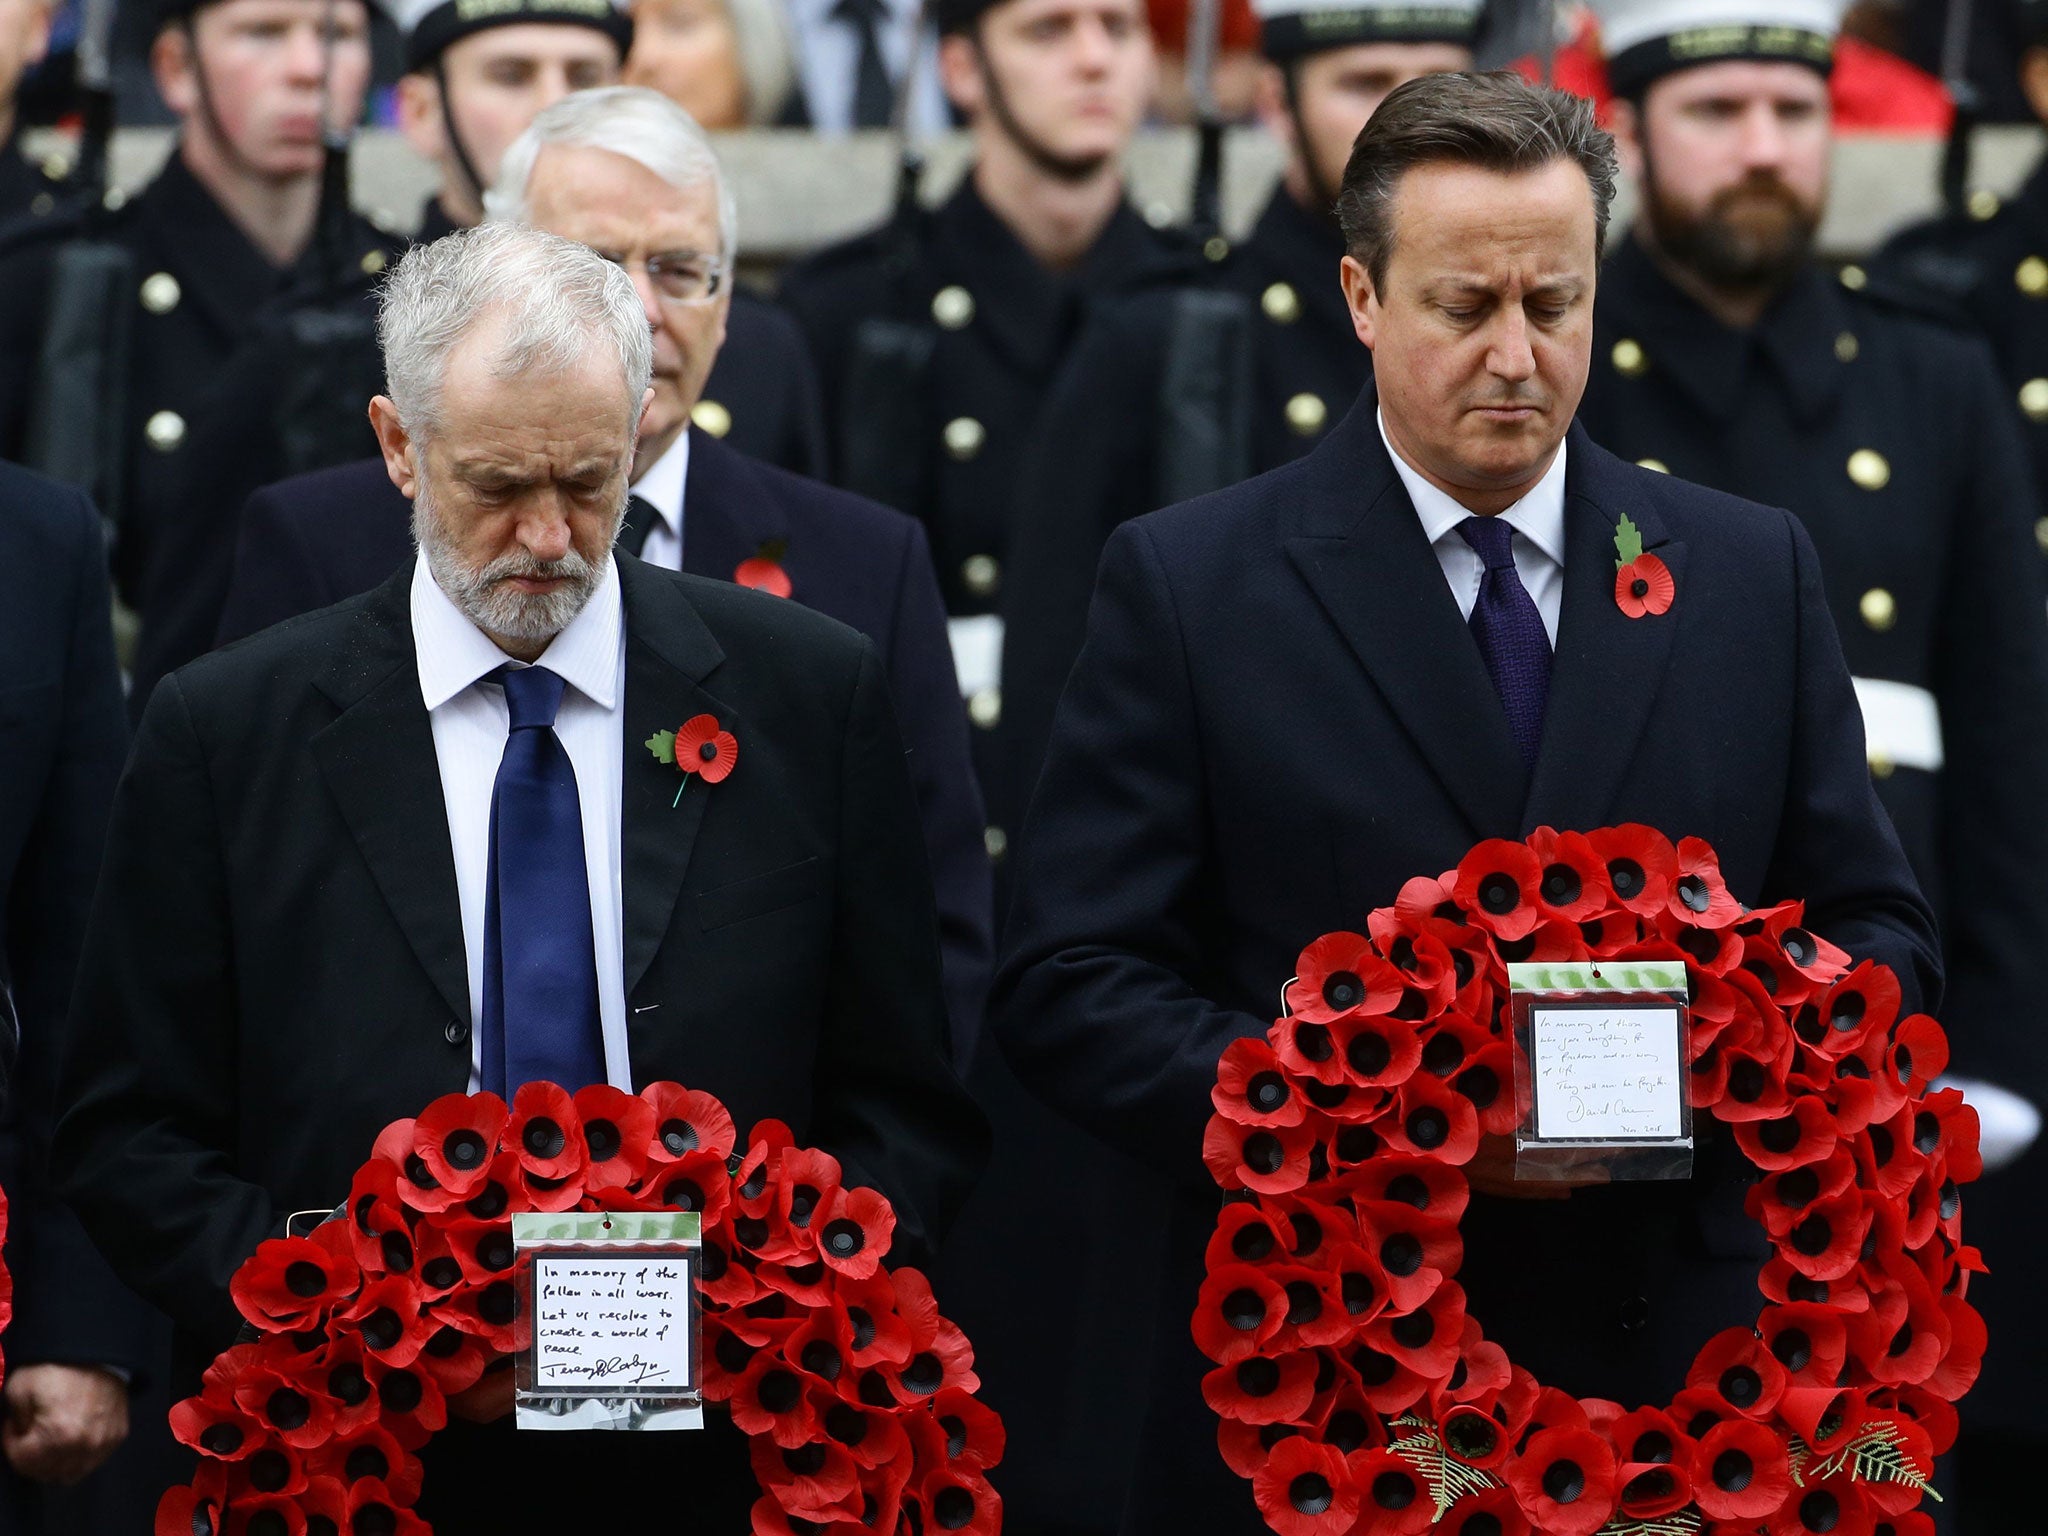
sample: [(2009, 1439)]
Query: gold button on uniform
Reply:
[(1657, 464), (165, 430), (964, 437), (1216, 248), (982, 574), (1983, 204), (160, 293), (1281, 303), (2031, 277), (985, 708), (2034, 399), (55, 167), (1306, 413), (1880, 766), (1870, 469), (373, 262), (1879, 608), (711, 418), (2041, 533), (42, 205), (953, 307), (997, 843), (1853, 277), (1846, 347), (1630, 360)]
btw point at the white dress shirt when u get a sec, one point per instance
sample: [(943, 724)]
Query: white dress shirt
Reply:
[(662, 489), (828, 59), (471, 724), (1538, 521)]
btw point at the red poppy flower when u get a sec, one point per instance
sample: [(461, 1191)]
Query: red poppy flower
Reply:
[(1572, 883), (687, 1121), (695, 1182), (1392, 1498), (763, 575), (187, 1512), (1804, 1134), (1699, 895), (1810, 1341), (1651, 1489), (374, 1507), (373, 1452), (387, 1318), (1823, 1244), (1499, 884), (1946, 1127), (1237, 1312), (1263, 1389), (1834, 1506), (773, 1399), (1963, 1360), (214, 1424), (1271, 1160), (1484, 1081), (456, 1137), (1764, 958), (817, 1481), (1740, 1470), (1252, 1087), (1434, 1120), (483, 1249), (1900, 1340), (1305, 1489), (1414, 1251), (1425, 1340), (1737, 1367), (1340, 974), (855, 1231), (1649, 1437), (273, 1468), (1918, 1054), (454, 1358), (1644, 587), (1376, 1051), (1473, 1437), (974, 1433), (1565, 1481), (1826, 1417), (545, 1133), (1482, 1375), (753, 1180), (1640, 864), (489, 1312), (701, 748), (1431, 1187), (874, 1332), (617, 1128), (295, 1283), (1783, 1200), (1383, 1380)]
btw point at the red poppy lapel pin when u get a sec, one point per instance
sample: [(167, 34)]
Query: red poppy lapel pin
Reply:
[(699, 749), (763, 572), (1642, 583)]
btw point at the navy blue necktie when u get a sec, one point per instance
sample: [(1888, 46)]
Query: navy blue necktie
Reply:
[(1512, 640), (540, 1018)]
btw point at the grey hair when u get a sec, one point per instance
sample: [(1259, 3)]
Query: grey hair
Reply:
[(760, 31), (557, 298), (642, 125), (1494, 120)]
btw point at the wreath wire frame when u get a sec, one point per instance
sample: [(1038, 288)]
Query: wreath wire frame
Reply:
[(856, 1396), (1352, 1388)]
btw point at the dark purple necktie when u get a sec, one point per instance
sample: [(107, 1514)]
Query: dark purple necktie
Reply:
[(540, 1019), (1512, 640)]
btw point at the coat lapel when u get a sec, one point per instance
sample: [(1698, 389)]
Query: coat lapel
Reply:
[(377, 757), (1609, 668), (1376, 576), (728, 516), (669, 651)]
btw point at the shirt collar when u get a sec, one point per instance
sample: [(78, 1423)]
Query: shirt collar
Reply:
[(661, 487), (1538, 516), (453, 654)]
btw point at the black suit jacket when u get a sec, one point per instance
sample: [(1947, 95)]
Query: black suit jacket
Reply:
[(316, 539), (1279, 717), (275, 970), (63, 736)]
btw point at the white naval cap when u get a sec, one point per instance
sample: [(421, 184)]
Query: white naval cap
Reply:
[(428, 26), (1646, 39), (1289, 29)]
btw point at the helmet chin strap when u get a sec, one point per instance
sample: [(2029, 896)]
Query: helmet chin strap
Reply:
[(207, 112), (1324, 194), (1067, 168), (463, 163)]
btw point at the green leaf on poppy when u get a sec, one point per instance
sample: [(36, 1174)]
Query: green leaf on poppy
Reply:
[(1628, 542), (663, 745)]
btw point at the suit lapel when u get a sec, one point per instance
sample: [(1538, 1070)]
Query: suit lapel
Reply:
[(1609, 668), (378, 760), (1375, 574), (669, 651), (728, 516)]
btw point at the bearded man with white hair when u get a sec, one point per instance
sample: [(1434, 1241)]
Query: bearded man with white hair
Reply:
[(413, 845)]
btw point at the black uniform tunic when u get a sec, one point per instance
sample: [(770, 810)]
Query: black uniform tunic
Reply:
[(28, 190), (1888, 433), (200, 436), (1309, 363)]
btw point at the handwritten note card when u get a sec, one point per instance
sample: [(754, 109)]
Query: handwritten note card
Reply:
[(1605, 1072), (615, 1324)]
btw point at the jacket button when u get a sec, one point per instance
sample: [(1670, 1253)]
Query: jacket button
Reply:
[(2031, 277), (996, 842), (1879, 608), (1870, 469), (964, 437), (711, 418), (1306, 414), (1635, 1312), (164, 431), (2034, 399), (160, 293), (985, 708), (953, 307), (982, 574), (1629, 358), (1281, 303), (455, 1032)]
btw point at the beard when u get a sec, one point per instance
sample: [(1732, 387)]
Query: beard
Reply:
[(482, 591), (1752, 236)]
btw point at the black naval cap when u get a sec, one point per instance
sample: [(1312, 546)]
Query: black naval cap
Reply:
[(1646, 40), (429, 26), (1294, 29), (2031, 17)]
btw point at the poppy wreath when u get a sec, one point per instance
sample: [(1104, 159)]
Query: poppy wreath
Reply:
[(856, 1396), (1356, 1393)]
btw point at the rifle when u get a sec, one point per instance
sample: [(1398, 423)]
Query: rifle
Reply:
[(1969, 104), (77, 426), (1205, 200)]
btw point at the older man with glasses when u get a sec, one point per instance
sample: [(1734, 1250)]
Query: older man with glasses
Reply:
[(629, 174)]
